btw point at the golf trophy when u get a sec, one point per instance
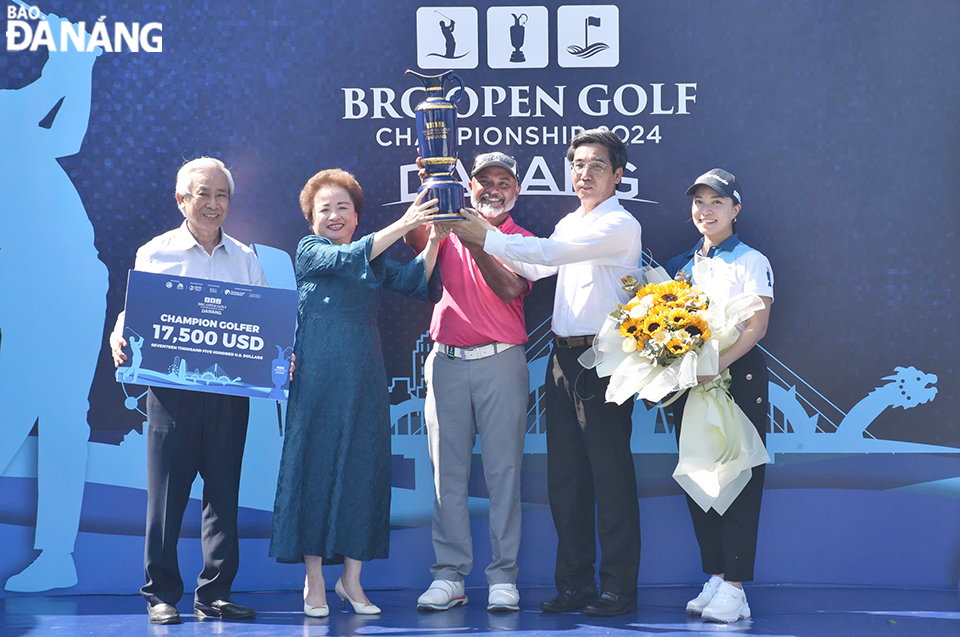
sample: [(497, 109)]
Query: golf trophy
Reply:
[(437, 137)]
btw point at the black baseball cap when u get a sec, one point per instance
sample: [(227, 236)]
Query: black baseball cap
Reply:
[(495, 159), (720, 180)]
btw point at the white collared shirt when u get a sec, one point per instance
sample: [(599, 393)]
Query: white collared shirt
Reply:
[(178, 252), (589, 253)]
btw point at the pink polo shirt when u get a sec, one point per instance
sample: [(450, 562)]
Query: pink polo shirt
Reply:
[(470, 313)]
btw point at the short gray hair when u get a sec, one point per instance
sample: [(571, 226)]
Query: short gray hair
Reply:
[(184, 175)]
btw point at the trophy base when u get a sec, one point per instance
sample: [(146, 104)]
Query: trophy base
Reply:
[(449, 192), (518, 56)]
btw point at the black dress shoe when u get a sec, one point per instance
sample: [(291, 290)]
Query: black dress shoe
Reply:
[(569, 601), (163, 614), (611, 605), (223, 609)]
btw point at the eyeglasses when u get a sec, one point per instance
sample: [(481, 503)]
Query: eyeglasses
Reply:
[(593, 167)]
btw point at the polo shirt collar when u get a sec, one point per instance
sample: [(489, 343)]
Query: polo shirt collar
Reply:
[(728, 245), (186, 241), (507, 225)]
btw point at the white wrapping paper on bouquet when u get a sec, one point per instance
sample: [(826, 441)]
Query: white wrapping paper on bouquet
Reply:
[(634, 375), (718, 444), (719, 447)]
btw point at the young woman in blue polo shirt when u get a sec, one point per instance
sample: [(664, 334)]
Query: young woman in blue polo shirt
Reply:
[(728, 542)]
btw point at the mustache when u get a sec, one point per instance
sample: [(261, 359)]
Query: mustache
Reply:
[(492, 205)]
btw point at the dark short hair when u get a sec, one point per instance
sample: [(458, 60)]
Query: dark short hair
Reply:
[(614, 145), (330, 177)]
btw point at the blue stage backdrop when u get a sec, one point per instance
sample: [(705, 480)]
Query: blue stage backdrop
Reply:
[(839, 119)]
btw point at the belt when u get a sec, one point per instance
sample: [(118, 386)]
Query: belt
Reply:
[(566, 342), (471, 353)]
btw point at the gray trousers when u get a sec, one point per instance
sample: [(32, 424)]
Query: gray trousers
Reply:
[(489, 397)]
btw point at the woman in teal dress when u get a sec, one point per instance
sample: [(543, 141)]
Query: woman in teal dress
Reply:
[(333, 489)]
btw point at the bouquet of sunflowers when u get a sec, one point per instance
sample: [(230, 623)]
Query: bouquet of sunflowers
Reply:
[(663, 321), (659, 340), (667, 334)]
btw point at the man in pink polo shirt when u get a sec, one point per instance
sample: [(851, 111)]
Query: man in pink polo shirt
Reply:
[(477, 383)]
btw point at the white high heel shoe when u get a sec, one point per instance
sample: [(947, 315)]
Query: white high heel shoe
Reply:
[(313, 611), (358, 608)]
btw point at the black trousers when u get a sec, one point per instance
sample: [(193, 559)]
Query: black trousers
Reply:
[(728, 542), (190, 433), (591, 479)]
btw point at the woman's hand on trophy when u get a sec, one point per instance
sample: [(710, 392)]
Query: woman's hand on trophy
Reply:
[(438, 232), (419, 212)]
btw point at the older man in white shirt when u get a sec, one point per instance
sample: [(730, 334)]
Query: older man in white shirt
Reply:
[(589, 463), (190, 432)]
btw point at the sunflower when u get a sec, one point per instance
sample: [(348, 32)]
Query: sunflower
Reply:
[(677, 346), (696, 326), (649, 288), (652, 323), (677, 317), (672, 293), (631, 327)]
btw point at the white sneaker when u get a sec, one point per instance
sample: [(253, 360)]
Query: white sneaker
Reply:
[(727, 606), (696, 605), (503, 597), (443, 594)]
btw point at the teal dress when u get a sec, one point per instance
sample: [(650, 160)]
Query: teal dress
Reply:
[(333, 490)]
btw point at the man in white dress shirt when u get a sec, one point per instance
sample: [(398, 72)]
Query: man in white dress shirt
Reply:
[(589, 463), (190, 432)]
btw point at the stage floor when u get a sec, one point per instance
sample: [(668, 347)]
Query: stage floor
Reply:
[(778, 611)]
